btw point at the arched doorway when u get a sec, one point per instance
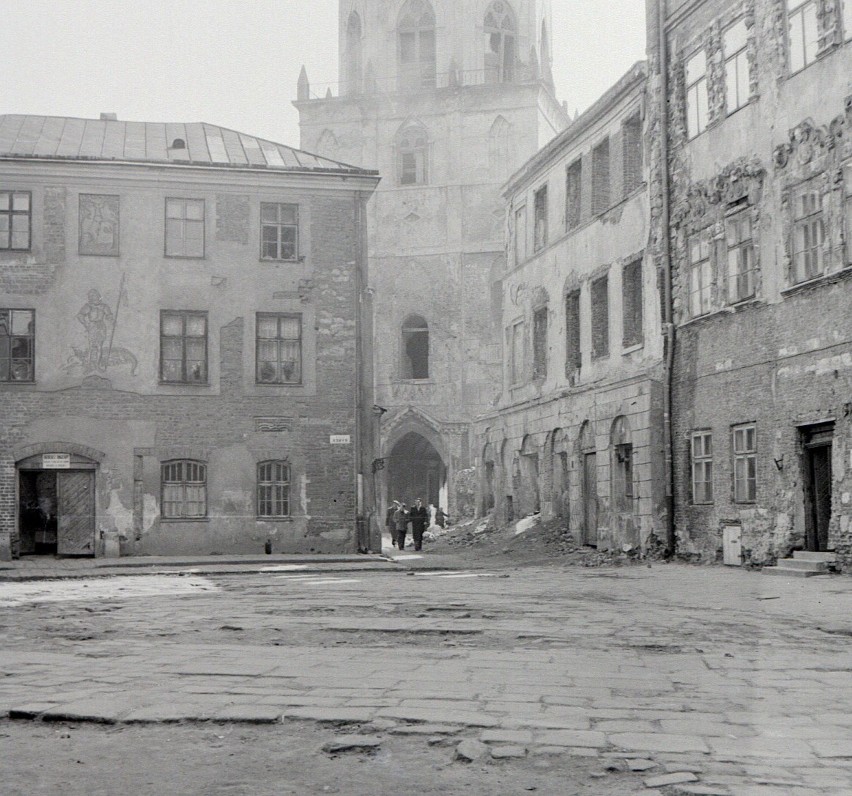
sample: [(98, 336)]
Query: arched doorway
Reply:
[(416, 470)]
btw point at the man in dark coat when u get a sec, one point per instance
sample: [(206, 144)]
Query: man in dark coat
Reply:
[(400, 518), (419, 516)]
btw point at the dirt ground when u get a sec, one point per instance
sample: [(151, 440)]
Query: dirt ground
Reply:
[(281, 760)]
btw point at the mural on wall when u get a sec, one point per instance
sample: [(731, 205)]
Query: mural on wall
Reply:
[(99, 219), (100, 321)]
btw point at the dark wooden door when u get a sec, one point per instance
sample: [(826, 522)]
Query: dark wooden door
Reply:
[(819, 471), (590, 498), (76, 514)]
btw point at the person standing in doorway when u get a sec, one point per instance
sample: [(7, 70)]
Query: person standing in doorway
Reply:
[(419, 519), (400, 519), (390, 522)]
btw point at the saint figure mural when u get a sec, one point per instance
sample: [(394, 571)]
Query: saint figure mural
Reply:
[(97, 318)]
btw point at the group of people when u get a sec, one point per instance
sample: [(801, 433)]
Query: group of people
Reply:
[(400, 516)]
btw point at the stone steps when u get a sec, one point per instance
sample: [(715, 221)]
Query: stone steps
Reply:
[(803, 564)]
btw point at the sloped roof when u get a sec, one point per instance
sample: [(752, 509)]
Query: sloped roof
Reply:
[(152, 142)]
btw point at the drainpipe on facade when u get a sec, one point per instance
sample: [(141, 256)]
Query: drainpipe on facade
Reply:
[(361, 529), (668, 312)]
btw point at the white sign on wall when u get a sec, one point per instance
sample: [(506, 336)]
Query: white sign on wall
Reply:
[(56, 461), (341, 439)]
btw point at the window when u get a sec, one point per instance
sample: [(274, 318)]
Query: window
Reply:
[(15, 220), (500, 53), (273, 490), (183, 347), (279, 231), (279, 349), (631, 291), (745, 464), (702, 467), (573, 353), (413, 147), (632, 154), (184, 485), (415, 348), (808, 234), (540, 343), (600, 317), (540, 219), (517, 359), (697, 105), (184, 227), (700, 275), (600, 178), (740, 257), (737, 80), (804, 33), (416, 46), (520, 235), (574, 194), (17, 345)]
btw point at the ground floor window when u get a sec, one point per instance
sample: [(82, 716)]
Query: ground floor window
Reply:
[(184, 485), (702, 467), (273, 489), (745, 463)]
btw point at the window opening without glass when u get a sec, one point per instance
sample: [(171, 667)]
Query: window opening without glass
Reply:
[(500, 31), (415, 348)]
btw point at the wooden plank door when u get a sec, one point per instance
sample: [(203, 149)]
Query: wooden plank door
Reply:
[(820, 489), (76, 514), (590, 498)]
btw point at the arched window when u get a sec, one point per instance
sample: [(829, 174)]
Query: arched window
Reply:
[(273, 489), (415, 348), (413, 156), (416, 48), (184, 490), (500, 155), (353, 54), (500, 31)]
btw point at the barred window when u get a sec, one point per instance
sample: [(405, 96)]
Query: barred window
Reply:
[(697, 103), (738, 230), (279, 231), (737, 80), (183, 347), (184, 485), (184, 228), (745, 463), (803, 29), (808, 234), (273, 489), (700, 275), (279, 348), (702, 467), (15, 220), (17, 345)]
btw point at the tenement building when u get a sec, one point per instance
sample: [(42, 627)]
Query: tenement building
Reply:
[(446, 99), (179, 341), (758, 187), (577, 434)]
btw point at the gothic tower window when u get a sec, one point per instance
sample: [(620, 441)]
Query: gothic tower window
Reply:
[(413, 156), (354, 54), (416, 51), (500, 30), (415, 348)]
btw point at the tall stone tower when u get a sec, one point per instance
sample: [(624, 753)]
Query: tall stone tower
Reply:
[(446, 98)]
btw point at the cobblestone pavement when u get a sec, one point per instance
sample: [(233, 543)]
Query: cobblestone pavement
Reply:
[(737, 682)]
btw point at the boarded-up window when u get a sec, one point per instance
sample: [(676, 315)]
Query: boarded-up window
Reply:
[(540, 343), (600, 317), (600, 178), (574, 195), (632, 154), (573, 354), (540, 218), (631, 286)]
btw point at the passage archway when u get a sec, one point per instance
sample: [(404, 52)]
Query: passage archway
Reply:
[(416, 470)]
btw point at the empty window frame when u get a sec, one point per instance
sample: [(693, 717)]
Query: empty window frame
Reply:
[(416, 46), (702, 467), (600, 178), (15, 220), (808, 233), (17, 345), (279, 231), (631, 136), (573, 352), (500, 28), (516, 360), (183, 347), (697, 104), (540, 343), (632, 310), (413, 153), (540, 219), (738, 233), (600, 317), (184, 228), (520, 235), (279, 348), (700, 275), (745, 463), (415, 348), (273, 490), (184, 490), (803, 32), (737, 79), (574, 194)]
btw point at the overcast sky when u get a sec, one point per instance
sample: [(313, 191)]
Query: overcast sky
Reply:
[(235, 62)]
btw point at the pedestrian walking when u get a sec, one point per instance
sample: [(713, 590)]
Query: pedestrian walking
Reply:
[(390, 522), (419, 519), (400, 519)]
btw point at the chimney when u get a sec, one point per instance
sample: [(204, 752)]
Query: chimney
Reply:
[(109, 117)]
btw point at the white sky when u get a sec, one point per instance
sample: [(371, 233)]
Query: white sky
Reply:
[(235, 62)]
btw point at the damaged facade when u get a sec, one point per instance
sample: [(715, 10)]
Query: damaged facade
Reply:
[(760, 174), (179, 342), (578, 430)]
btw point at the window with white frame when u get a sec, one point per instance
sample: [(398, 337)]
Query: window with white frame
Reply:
[(697, 104), (700, 275), (184, 485), (745, 463), (15, 220), (516, 362), (279, 348), (808, 233), (273, 490), (737, 81), (520, 235), (738, 232), (803, 31), (702, 467), (184, 227), (183, 347), (279, 231)]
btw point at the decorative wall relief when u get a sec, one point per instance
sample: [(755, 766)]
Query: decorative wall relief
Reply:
[(99, 225), (809, 142)]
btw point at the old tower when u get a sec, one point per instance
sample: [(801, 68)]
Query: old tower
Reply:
[(446, 98)]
